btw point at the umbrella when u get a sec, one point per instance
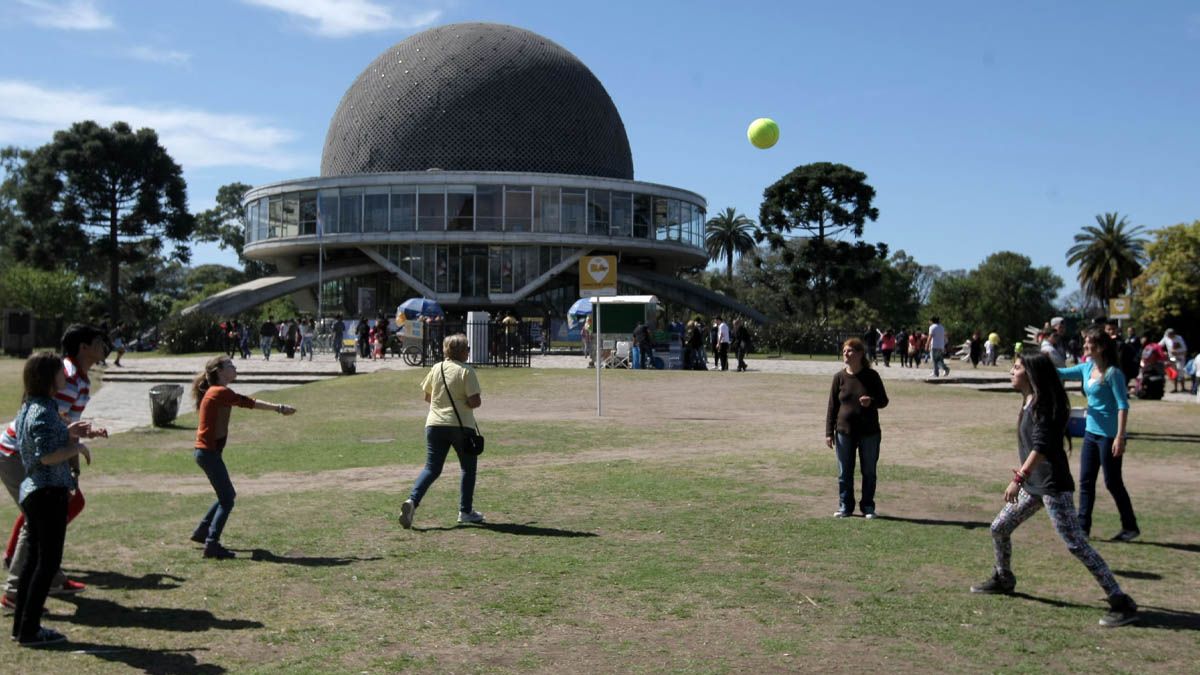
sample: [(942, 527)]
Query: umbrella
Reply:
[(582, 307), (414, 307)]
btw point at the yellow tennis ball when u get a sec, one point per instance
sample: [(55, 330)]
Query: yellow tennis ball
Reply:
[(763, 133)]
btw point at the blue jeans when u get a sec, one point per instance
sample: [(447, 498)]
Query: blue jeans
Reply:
[(1097, 453), (939, 358), (868, 452), (635, 357), (265, 343), (437, 445), (218, 477)]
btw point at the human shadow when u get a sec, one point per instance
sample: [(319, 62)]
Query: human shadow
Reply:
[(146, 582), (106, 613), (1170, 619), (263, 555), (1163, 438), (965, 524), (151, 661), (1133, 574), (1190, 548), (1053, 602), (524, 529)]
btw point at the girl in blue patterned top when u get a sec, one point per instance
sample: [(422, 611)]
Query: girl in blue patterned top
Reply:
[(1104, 439), (47, 444)]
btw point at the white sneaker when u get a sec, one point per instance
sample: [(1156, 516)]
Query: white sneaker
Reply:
[(472, 517), (841, 514), (869, 516), (406, 514)]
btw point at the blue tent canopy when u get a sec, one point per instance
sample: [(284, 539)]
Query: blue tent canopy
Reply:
[(582, 307), (414, 307)]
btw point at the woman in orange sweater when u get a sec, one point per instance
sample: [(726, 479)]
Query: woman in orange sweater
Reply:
[(215, 401)]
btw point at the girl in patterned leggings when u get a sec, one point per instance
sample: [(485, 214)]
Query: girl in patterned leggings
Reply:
[(1044, 479)]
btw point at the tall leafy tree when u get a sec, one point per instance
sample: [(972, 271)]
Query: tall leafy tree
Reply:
[(225, 224), (727, 234), (823, 200), (1109, 254), (1168, 291), (1004, 294), (117, 185)]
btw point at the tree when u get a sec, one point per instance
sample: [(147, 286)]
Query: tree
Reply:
[(49, 294), (119, 186), (1005, 294), (225, 223), (825, 200), (1109, 256), (1167, 294), (727, 234)]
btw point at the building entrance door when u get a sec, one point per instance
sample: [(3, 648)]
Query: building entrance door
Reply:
[(475, 271)]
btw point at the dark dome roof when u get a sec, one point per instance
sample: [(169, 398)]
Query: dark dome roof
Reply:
[(477, 97)]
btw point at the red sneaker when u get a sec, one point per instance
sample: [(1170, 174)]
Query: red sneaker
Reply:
[(69, 587), (7, 603)]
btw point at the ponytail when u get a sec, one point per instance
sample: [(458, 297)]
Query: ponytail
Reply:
[(207, 378)]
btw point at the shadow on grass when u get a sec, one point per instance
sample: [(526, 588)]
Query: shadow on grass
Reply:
[(1190, 548), (523, 529), (1164, 438), (1131, 574), (146, 582), (263, 555), (965, 524), (152, 661), (1170, 619), (106, 613)]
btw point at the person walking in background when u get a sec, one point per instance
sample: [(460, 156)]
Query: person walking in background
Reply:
[(363, 334), (339, 335), (741, 341), (887, 345), (1104, 439), (117, 340), (713, 335), (641, 346), (1044, 480), (915, 343), (1176, 350), (453, 393), (47, 445), (937, 346), (83, 346), (902, 346), (266, 336), (722, 343), (871, 339), (307, 330), (1127, 352), (852, 426), (215, 402), (975, 352), (244, 338), (585, 334)]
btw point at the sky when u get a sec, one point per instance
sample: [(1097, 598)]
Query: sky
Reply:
[(982, 126)]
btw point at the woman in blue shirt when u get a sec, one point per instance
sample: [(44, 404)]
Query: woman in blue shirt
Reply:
[(1104, 439)]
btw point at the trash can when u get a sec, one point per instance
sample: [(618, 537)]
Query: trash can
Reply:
[(164, 403), (346, 361)]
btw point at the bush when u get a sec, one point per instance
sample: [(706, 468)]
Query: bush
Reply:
[(188, 333)]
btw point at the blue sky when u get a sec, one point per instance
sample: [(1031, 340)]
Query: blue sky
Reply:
[(982, 127)]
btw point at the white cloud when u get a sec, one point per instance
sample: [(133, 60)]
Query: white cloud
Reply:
[(30, 114), (343, 18), (67, 14), (155, 55)]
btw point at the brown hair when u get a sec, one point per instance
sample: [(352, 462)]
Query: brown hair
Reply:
[(39, 374), (455, 347), (859, 346), (207, 378)]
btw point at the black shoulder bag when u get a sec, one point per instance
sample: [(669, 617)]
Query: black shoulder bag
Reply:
[(474, 439)]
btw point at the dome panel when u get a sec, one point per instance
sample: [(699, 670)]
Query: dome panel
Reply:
[(477, 97)]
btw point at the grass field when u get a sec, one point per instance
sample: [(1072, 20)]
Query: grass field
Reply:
[(689, 530)]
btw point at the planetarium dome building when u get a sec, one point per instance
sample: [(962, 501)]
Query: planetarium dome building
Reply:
[(473, 164)]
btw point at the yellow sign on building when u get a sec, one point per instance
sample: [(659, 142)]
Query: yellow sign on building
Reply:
[(597, 275)]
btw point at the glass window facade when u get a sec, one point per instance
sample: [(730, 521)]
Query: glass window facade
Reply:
[(479, 208)]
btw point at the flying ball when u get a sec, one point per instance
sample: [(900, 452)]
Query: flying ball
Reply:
[(763, 133)]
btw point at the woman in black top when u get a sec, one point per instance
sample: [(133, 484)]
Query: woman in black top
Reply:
[(852, 424), (1044, 479)]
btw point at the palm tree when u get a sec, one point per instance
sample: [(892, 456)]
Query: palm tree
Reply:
[(1109, 256), (727, 234)]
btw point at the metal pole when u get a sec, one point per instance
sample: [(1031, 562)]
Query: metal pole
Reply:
[(599, 366)]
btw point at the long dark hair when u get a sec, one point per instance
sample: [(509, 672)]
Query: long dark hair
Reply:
[(1050, 404), (1108, 347)]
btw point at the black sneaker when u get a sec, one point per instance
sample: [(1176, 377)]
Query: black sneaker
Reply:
[(998, 583), (1122, 610), (43, 638), (217, 551), (199, 535), (1126, 535)]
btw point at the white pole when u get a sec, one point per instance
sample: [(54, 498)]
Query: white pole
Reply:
[(599, 366)]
